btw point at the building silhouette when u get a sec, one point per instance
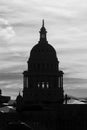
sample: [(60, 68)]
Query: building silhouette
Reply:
[(41, 107), (3, 99), (43, 81)]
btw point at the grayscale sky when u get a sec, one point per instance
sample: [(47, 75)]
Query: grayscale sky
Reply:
[(66, 23)]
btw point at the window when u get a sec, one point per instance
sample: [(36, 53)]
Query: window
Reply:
[(43, 85), (38, 85), (47, 85)]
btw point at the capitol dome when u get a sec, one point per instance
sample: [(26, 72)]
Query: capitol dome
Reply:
[(43, 81), (43, 55), (43, 51)]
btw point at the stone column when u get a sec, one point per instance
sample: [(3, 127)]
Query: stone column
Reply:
[(59, 82), (25, 82)]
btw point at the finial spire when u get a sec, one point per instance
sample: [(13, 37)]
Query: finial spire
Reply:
[(43, 32), (43, 23)]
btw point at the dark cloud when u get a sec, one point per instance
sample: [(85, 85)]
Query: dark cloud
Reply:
[(81, 93), (76, 87), (10, 76), (67, 31), (13, 69), (11, 84), (26, 24), (75, 81)]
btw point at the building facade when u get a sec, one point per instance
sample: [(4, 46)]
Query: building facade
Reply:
[(43, 81)]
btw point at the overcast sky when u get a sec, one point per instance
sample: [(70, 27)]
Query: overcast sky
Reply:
[(66, 23)]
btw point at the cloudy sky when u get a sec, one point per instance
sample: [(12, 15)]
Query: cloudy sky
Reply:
[(66, 23)]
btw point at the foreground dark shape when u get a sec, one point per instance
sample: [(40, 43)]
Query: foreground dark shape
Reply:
[(41, 106), (64, 116), (17, 126)]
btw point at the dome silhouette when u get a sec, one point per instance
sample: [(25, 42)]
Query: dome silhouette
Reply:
[(43, 80), (43, 51), (43, 56)]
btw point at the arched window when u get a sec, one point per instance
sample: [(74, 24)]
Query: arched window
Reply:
[(47, 85), (38, 85), (43, 85)]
